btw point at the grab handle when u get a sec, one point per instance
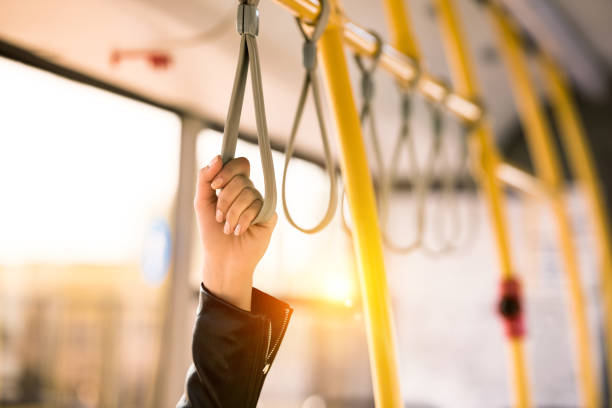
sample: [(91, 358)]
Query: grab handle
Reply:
[(311, 81), (248, 28)]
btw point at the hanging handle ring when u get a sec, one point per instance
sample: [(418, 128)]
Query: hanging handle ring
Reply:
[(438, 154), (404, 138), (471, 225), (247, 25), (367, 74), (368, 90), (311, 81), (367, 95)]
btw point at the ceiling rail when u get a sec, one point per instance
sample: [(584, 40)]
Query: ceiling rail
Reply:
[(398, 64)]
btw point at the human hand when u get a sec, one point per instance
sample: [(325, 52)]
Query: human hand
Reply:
[(232, 246)]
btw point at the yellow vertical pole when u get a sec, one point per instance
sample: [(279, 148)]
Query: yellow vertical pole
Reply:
[(402, 36), (581, 161), (366, 233), (488, 160), (543, 152)]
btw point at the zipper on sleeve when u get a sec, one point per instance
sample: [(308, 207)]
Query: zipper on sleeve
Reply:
[(271, 346), (281, 333), (267, 364)]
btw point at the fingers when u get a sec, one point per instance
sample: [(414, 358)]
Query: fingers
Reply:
[(242, 212), (238, 166), (229, 194), (205, 194), (238, 202)]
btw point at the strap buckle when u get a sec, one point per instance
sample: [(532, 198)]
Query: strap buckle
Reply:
[(309, 50), (309, 55), (247, 22)]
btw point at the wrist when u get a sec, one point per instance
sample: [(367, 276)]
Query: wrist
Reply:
[(233, 286)]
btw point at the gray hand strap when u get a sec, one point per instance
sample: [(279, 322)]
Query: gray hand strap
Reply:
[(366, 111), (248, 28), (311, 81), (387, 179), (404, 138), (438, 154), (471, 225), (462, 233)]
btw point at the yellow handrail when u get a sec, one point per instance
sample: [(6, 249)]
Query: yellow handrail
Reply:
[(488, 162), (541, 146), (581, 161), (401, 31), (366, 232), (519, 180), (400, 65)]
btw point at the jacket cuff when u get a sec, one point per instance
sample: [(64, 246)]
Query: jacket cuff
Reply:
[(277, 312), (262, 304)]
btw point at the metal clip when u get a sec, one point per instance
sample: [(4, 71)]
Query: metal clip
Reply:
[(367, 87), (406, 107), (247, 22), (309, 55)]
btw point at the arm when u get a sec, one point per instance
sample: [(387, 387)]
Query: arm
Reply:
[(238, 329)]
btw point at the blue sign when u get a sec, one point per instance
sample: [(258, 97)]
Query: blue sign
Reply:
[(156, 252)]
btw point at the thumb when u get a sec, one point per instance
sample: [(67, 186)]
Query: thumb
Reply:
[(205, 194)]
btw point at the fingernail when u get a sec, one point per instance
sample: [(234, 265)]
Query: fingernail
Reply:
[(226, 228), (237, 230), (216, 183), (219, 216), (212, 162)]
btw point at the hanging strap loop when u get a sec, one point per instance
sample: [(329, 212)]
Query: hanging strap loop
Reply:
[(367, 76), (367, 95), (471, 221), (449, 240), (404, 138), (247, 25), (462, 233), (387, 179), (435, 155), (309, 54)]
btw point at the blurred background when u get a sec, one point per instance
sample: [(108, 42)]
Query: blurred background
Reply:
[(100, 262)]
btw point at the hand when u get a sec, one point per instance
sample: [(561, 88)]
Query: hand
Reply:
[(232, 246)]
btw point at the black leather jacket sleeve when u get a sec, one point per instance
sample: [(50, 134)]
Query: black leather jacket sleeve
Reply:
[(232, 350)]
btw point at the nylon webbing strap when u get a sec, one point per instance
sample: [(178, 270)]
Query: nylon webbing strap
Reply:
[(311, 82), (404, 138), (470, 226), (385, 178), (367, 95), (248, 27), (473, 221), (438, 154)]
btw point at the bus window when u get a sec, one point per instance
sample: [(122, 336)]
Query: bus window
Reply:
[(87, 184)]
